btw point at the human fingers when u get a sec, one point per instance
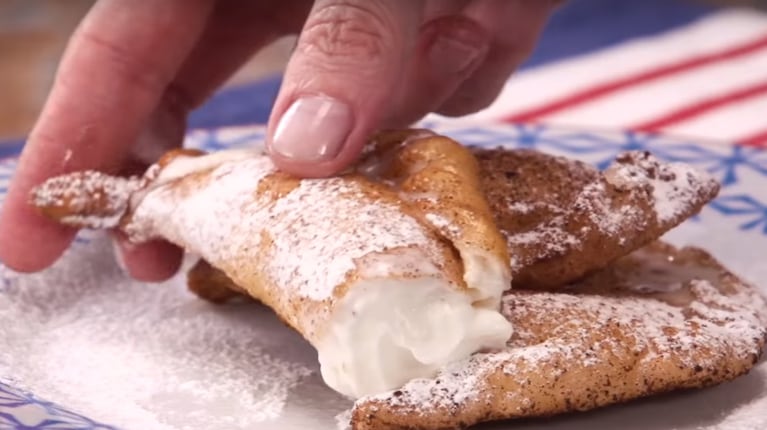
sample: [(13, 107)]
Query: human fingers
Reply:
[(235, 30), (116, 67), (151, 261), (466, 51), (516, 26), (348, 61), (450, 48)]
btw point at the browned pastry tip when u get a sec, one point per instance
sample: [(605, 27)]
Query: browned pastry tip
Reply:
[(93, 199), (85, 199), (564, 219)]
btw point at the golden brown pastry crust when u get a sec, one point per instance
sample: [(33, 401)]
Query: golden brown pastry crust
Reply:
[(211, 284), (596, 342), (657, 320), (429, 183), (564, 219), (442, 179)]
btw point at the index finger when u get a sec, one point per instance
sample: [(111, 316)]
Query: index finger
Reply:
[(113, 74)]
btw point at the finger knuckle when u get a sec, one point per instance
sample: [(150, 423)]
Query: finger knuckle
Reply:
[(347, 32)]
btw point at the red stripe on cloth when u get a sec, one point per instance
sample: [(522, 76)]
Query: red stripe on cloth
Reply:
[(758, 139), (601, 90), (701, 107)]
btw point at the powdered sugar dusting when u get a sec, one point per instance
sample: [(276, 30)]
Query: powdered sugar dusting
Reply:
[(611, 206), (327, 223), (669, 194), (331, 224), (750, 416), (86, 199), (560, 332), (554, 239), (344, 420), (675, 186), (521, 207), (597, 204), (449, 229), (204, 220), (145, 356), (554, 235)]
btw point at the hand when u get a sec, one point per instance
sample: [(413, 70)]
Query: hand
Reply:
[(131, 75)]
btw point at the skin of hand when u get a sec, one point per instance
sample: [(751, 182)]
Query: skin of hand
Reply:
[(130, 76)]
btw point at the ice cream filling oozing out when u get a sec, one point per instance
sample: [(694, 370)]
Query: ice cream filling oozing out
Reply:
[(387, 331)]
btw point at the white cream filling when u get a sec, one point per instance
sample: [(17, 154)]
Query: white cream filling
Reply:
[(385, 332), (486, 276)]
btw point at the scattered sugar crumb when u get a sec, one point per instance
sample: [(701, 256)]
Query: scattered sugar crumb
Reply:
[(520, 207)]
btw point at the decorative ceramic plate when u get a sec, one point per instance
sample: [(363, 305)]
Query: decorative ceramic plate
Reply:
[(82, 347)]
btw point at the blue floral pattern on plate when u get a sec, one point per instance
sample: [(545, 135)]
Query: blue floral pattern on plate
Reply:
[(742, 171), (23, 411)]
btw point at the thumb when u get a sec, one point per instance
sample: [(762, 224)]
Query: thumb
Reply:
[(338, 84)]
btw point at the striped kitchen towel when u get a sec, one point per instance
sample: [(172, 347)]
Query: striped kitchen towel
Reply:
[(668, 66), (706, 80)]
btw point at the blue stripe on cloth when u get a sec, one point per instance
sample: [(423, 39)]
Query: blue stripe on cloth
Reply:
[(9, 149), (244, 104)]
